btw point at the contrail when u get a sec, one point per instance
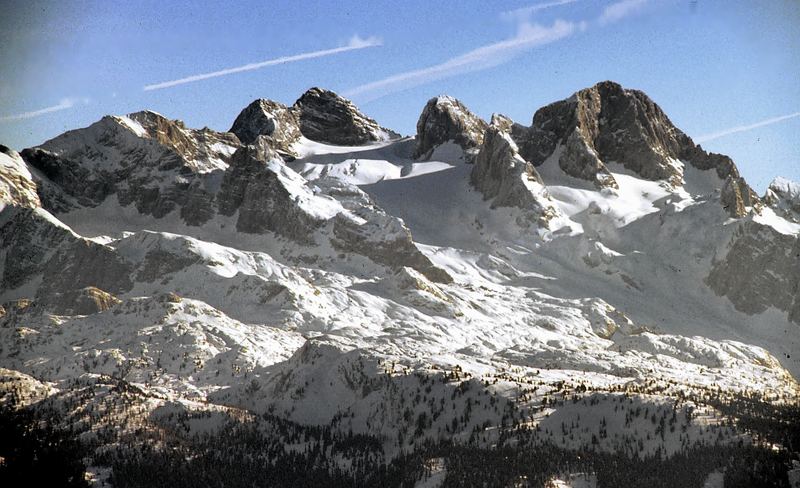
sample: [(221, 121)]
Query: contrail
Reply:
[(529, 35), (484, 57), (523, 13), (62, 105), (743, 128), (355, 43)]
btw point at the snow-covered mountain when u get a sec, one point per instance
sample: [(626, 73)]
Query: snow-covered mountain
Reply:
[(478, 284)]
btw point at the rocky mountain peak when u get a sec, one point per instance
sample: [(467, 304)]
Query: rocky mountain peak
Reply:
[(140, 157), (601, 124), (151, 118), (193, 145), (502, 122), (319, 115), (608, 123), (274, 120), (444, 119), (326, 117), (320, 97)]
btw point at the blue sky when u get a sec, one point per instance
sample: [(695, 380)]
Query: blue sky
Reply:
[(725, 72)]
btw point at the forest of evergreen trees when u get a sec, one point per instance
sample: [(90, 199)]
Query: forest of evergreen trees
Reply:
[(270, 451)]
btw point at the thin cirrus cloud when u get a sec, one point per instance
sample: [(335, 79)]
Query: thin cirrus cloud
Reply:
[(529, 35), (620, 10), (63, 104), (355, 43), (745, 128)]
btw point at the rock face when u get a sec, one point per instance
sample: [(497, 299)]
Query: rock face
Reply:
[(446, 119), (37, 246), (608, 123), (736, 197), (395, 252), (783, 196), (503, 176), (252, 186), (19, 228), (273, 120), (320, 115), (327, 117), (144, 158), (84, 301), (502, 122), (760, 270)]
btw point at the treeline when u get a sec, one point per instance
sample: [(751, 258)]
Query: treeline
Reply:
[(262, 451), (34, 452), (252, 451), (743, 466), (222, 461), (273, 452)]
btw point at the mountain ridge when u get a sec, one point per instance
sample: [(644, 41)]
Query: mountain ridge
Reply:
[(313, 266)]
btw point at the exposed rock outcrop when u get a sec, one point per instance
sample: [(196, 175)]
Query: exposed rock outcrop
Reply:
[(28, 239), (503, 176), (37, 246), (502, 122), (446, 119), (608, 123), (275, 121), (369, 231), (395, 252), (200, 150), (319, 115), (760, 270), (84, 301), (72, 180), (144, 158), (253, 186), (326, 117), (737, 197)]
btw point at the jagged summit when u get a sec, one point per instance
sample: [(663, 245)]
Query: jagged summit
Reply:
[(327, 117), (270, 119), (319, 115), (138, 157), (155, 167), (608, 123), (444, 119)]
